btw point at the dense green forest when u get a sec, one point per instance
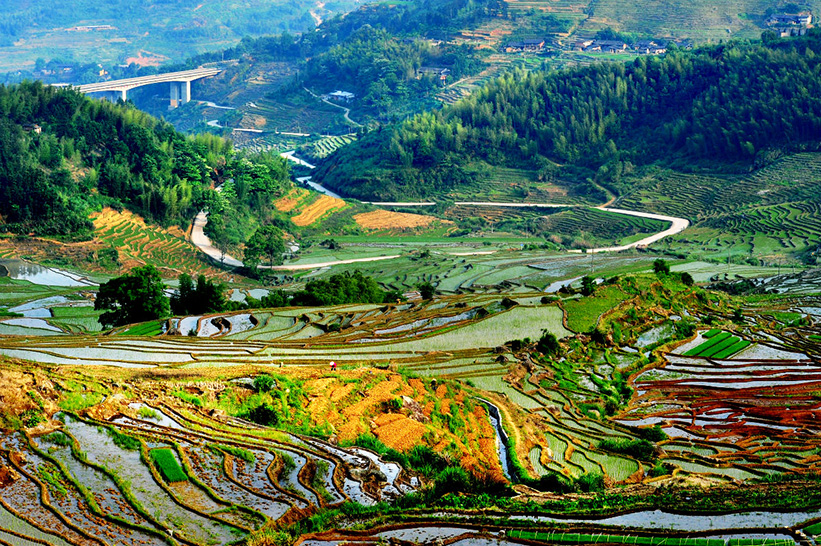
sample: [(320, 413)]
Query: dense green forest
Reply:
[(63, 155), (382, 70), (729, 104)]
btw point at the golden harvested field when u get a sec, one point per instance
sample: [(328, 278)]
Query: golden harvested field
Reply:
[(316, 210), (292, 199), (385, 219)]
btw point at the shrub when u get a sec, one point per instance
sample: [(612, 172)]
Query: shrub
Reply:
[(553, 482), (590, 483), (653, 434), (264, 383), (265, 414), (58, 438), (687, 279), (640, 449), (452, 480), (548, 344), (237, 452), (123, 441), (426, 290), (661, 267)]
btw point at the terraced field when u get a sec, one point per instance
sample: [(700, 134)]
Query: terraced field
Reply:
[(138, 244), (327, 145), (518, 185), (770, 214), (308, 115), (700, 21), (138, 474), (598, 225), (319, 207)]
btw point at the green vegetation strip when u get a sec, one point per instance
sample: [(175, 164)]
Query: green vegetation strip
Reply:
[(716, 339), (710, 333), (587, 538), (153, 328), (715, 349), (168, 465), (733, 349)]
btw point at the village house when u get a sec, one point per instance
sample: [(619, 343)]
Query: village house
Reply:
[(439, 73), (650, 47), (803, 19), (340, 96), (608, 46), (533, 45)]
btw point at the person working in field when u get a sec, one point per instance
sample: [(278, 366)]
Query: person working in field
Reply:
[(333, 366)]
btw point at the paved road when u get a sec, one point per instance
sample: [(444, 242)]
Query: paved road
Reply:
[(677, 225)]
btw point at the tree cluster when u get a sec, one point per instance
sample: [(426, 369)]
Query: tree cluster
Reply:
[(63, 155)]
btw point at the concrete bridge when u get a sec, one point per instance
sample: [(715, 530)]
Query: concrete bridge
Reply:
[(180, 85)]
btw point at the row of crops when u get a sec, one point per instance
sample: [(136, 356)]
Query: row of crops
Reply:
[(599, 224), (718, 345), (771, 211), (135, 240)]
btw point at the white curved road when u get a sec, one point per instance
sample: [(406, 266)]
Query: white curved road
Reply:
[(677, 225)]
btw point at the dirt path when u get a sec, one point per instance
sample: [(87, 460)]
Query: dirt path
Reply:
[(202, 242), (294, 267), (346, 110)]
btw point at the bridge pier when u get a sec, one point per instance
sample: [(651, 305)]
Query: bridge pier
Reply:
[(112, 95), (180, 93)]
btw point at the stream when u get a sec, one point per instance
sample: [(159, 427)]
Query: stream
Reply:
[(501, 439)]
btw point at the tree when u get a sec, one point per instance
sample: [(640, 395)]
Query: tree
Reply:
[(206, 297), (426, 290), (267, 241), (588, 285), (137, 296), (548, 344), (687, 279), (661, 267)]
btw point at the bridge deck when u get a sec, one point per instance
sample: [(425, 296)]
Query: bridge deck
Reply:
[(131, 83)]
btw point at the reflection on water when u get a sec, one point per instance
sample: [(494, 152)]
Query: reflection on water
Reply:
[(37, 274)]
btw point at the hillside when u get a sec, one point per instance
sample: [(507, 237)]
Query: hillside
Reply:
[(599, 122), (63, 157), (145, 33)]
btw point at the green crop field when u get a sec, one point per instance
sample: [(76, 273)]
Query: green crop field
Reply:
[(168, 465)]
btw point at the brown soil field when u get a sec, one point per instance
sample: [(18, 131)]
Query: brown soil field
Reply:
[(385, 219)]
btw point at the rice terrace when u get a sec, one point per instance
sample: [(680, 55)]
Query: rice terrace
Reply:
[(452, 272)]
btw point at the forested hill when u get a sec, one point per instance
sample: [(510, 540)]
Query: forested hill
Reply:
[(727, 104), (63, 155)]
